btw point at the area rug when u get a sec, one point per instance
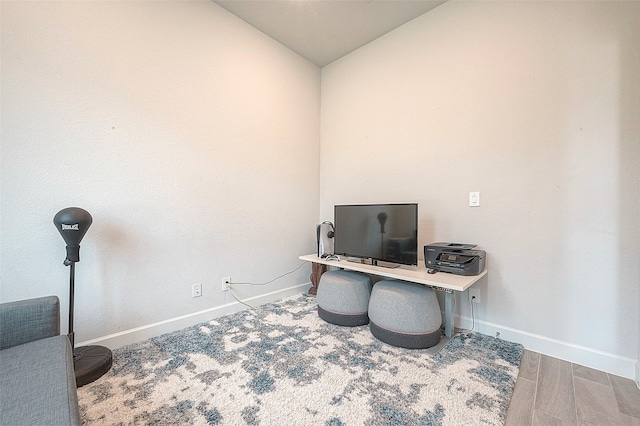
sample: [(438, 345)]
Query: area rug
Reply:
[(280, 364)]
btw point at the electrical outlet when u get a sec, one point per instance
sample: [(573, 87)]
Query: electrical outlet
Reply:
[(196, 290), (226, 283), (474, 295)]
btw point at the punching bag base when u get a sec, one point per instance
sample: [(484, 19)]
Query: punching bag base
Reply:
[(90, 363)]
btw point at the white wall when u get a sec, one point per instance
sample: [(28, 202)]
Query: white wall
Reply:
[(195, 148), (191, 138), (536, 106)]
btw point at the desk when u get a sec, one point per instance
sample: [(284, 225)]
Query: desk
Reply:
[(441, 281)]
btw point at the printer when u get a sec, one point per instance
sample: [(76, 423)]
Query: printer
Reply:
[(455, 258)]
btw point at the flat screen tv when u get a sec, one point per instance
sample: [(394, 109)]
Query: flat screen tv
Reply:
[(384, 234)]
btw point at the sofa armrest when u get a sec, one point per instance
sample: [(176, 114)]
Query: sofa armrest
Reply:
[(28, 320)]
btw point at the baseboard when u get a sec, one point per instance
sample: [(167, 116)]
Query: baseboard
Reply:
[(577, 354), (138, 334), (593, 358)]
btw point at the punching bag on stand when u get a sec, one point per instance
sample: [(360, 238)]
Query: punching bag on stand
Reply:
[(89, 362)]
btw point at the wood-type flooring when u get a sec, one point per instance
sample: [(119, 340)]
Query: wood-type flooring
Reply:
[(550, 391)]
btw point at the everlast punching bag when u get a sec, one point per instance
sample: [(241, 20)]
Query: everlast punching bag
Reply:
[(90, 362)]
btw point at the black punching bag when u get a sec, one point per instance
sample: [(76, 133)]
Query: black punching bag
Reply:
[(72, 223), (89, 362)]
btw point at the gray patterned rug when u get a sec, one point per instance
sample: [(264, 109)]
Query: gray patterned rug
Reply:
[(281, 364)]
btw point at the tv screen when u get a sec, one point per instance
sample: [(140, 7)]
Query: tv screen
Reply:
[(380, 232)]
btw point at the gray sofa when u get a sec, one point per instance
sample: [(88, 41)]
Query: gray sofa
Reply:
[(37, 381)]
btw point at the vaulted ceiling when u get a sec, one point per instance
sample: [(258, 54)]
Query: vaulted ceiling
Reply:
[(325, 30)]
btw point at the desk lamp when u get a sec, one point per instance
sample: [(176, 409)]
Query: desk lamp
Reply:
[(89, 362)]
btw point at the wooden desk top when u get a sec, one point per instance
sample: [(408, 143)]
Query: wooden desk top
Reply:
[(417, 274)]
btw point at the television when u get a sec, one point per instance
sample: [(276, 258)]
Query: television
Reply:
[(382, 234)]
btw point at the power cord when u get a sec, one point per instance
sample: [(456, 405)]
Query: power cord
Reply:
[(276, 278), (260, 284), (473, 318), (238, 300)]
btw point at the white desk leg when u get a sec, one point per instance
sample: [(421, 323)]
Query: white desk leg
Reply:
[(448, 313)]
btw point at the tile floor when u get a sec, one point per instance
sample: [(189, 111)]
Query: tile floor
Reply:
[(550, 391)]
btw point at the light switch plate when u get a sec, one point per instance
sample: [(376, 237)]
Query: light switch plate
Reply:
[(474, 199)]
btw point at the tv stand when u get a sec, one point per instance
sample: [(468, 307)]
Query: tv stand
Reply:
[(441, 281)]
